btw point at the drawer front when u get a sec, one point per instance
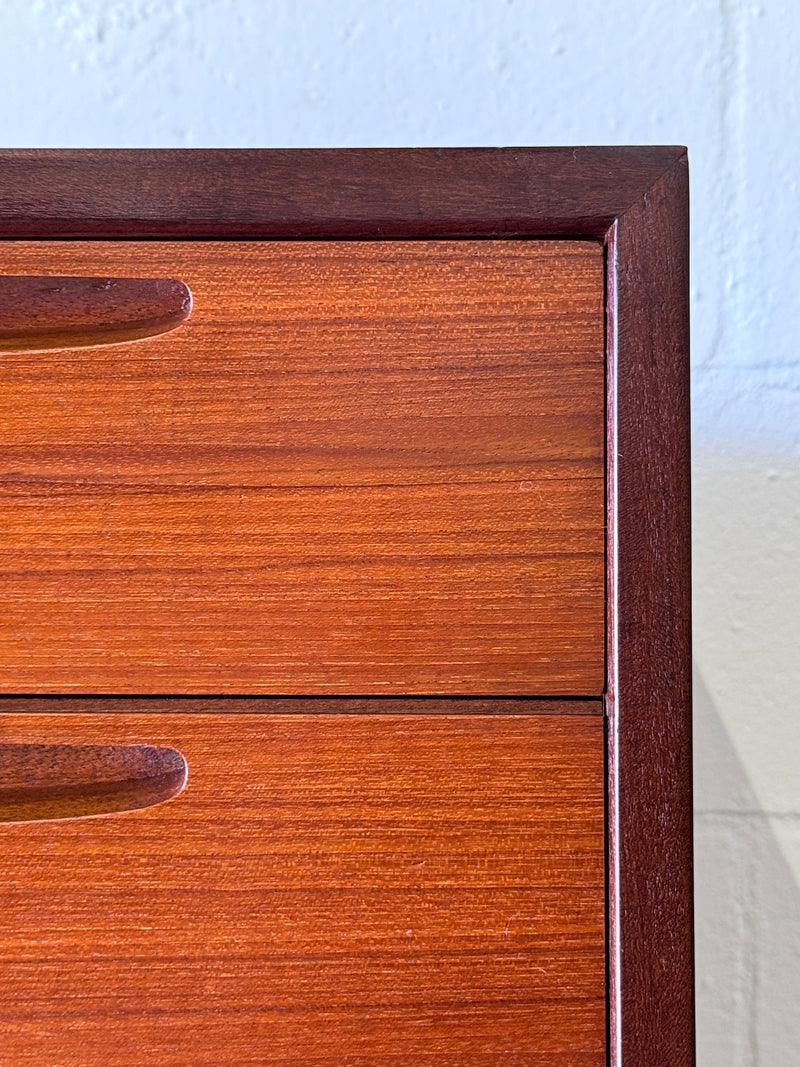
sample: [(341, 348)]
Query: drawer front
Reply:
[(329, 888), (358, 467)]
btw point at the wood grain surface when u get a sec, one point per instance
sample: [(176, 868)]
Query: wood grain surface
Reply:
[(358, 468), (632, 198), (327, 889), (38, 312)]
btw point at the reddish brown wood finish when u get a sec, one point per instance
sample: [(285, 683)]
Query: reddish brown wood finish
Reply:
[(327, 889), (358, 468), (52, 312), (634, 199)]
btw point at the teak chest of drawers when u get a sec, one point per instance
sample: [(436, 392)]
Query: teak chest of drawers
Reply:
[(344, 632)]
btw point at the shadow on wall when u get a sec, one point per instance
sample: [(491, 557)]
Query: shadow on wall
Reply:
[(747, 910)]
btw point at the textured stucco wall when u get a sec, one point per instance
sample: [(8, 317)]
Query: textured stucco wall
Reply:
[(719, 75)]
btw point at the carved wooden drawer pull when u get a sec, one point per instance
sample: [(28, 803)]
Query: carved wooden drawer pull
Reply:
[(39, 312), (71, 781)]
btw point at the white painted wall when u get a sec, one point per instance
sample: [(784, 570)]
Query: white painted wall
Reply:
[(719, 75)]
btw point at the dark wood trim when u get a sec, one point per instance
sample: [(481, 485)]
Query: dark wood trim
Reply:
[(634, 199), (322, 193), (649, 632)]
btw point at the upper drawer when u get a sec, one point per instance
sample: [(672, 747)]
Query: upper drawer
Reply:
[(358, 467)]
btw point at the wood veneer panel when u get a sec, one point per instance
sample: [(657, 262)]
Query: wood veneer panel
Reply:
[(358, 467), (374, 889)]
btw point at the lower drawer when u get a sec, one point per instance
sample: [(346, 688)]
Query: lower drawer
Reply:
[(327, 888)]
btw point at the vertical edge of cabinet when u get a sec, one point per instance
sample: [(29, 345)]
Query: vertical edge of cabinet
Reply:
[(648, 700)]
